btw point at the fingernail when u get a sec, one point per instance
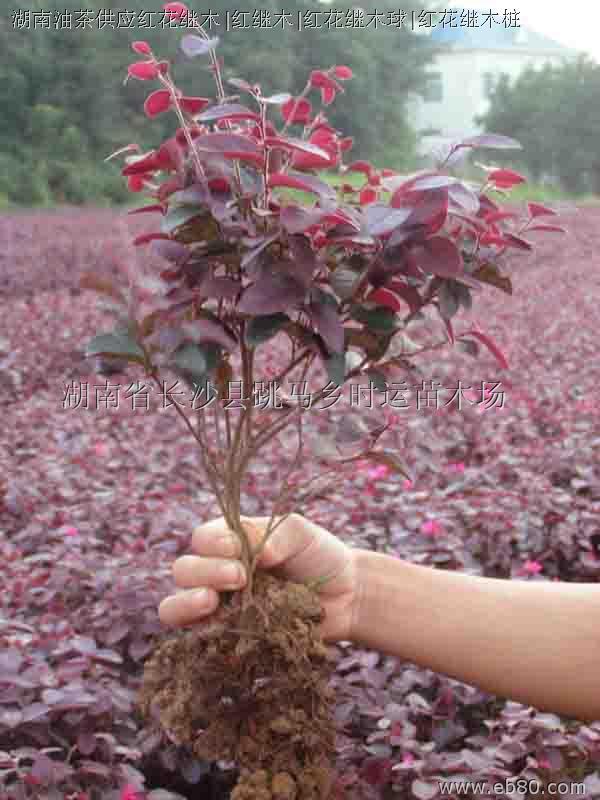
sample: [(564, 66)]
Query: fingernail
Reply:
[(231, 574)]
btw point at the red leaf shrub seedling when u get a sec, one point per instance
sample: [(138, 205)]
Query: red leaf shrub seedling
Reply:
[(259, 246)]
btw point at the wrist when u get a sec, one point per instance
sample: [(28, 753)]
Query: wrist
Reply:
[(371, 570)]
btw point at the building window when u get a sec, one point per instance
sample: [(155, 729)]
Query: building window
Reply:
[(434, 90)]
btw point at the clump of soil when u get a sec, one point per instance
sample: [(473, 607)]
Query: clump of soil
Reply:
[(252, 687)]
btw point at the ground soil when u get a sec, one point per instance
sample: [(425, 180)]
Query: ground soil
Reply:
[(252, 687)]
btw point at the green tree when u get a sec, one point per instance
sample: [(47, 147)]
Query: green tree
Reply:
[(64, 105), (555, 114)]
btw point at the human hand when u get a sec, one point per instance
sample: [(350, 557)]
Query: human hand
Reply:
[(299, 549)]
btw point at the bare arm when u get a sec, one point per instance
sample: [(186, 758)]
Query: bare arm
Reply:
[(536, 643)]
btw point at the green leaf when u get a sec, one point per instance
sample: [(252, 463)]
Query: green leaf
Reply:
[(178, 216), (120, 344), (380, 320), (490, 274), (319, 296), (260, 329), (449, 299), (335, 366), (468, 346), (343, 282), (195, 362), (191, 358), (101, 285), (378, 379), (464, 296)]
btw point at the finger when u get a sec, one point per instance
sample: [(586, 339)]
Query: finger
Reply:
[(215, 538), (217, 573), (189, 606), (308, 551)]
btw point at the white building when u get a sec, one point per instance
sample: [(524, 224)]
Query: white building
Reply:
[(460, 77)]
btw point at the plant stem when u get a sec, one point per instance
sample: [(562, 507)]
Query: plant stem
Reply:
[(211, 472)]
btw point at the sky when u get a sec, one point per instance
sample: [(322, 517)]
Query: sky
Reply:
[(575, 24)]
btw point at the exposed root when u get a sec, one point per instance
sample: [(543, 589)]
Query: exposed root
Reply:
[(252, 688)]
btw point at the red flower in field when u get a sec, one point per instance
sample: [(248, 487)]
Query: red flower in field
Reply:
[(531, 568), (380, 472), (129, 792), (432, 527)]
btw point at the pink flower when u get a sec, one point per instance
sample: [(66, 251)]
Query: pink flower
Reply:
[(71, 531), (101, 449), (391, 417), (407, 484), (531, 568), (380, 471), (456, 467), (129, 792), (431, 527)]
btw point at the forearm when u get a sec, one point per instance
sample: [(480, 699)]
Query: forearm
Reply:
[(534, 642)]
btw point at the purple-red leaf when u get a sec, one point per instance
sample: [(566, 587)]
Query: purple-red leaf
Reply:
[(147, 209), (493, 140), (490, 344), (305, 183), (544, 227), (157, 103), (224, 142), (222, 288), (326, 320), (146, 238), (201, 330), (439, 256), (143, 70), (170, 250), (227, 111), (408, 293), (275, 292), (304, 259), (517, 241), (383, 297), (539, 210)]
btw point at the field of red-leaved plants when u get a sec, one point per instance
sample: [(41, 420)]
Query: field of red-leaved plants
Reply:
[(95, 505)]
